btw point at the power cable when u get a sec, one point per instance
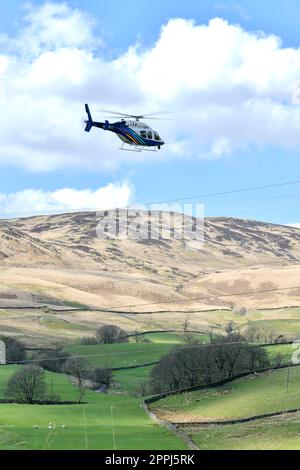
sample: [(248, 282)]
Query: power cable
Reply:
[(189, 299), (184, 198)]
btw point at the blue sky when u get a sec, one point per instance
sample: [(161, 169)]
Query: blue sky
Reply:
[(190, 165), (123, 22)]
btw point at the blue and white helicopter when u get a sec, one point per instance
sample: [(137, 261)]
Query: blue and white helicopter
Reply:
[(135, 135)]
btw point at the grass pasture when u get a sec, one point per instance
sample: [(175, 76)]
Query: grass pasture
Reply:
[(105, 422), (250, 396), (280, 433), (129, 380), (284, 350), (130, 354), (120, 355), (289, 327), (174, 338), (117, 420)]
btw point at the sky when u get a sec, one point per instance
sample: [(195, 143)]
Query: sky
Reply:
[(228, 70)]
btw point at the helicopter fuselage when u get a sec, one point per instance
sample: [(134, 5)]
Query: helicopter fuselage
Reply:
[(135, 133)]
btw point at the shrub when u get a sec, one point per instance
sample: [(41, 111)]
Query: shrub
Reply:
[(109, 334), (88, 340), (53, 360)]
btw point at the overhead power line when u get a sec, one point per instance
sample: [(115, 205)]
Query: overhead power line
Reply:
[(231, 191), (165, 201), (177, 301), (207, 297), (156, 303), (64, 358)]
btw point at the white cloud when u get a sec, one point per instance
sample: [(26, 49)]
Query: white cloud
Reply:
[(38, 201), (293, 225), (230, 89), (54, 26)]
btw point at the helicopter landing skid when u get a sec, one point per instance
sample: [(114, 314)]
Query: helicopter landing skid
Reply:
[(137, 148)]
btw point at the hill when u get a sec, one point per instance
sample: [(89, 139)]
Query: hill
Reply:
[(227, 243), (58, 261)]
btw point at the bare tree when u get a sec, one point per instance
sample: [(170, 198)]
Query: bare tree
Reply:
[(78, 369), (188, 336), (109, 334), (252, 334), (257, 358), (140, 338), (186, 325), (102, 377), (225, 357), (142, 388), (268, 334), (137, 337), (27, 385)]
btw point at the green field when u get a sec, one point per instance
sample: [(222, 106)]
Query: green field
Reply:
[(129, 381), (253, 395), (130, 354), (94, 425), (174, 338), (285, 350), (280, 433), (289, 327), (117, 420), (120, 355), (105, 422)]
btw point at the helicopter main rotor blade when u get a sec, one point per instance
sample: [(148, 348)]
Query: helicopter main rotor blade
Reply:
[(113, 112), (135, 116), (158, 119), (158, 113)]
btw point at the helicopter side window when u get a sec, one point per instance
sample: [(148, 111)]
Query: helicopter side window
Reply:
[(156, 136), (144, 134), (149, 135)]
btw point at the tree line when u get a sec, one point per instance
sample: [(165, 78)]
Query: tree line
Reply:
[(187, 365), (194, 365)]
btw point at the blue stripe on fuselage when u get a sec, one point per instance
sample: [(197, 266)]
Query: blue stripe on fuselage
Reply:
[(131, 135)]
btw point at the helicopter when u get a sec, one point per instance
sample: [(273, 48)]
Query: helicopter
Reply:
[(135, 135)]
